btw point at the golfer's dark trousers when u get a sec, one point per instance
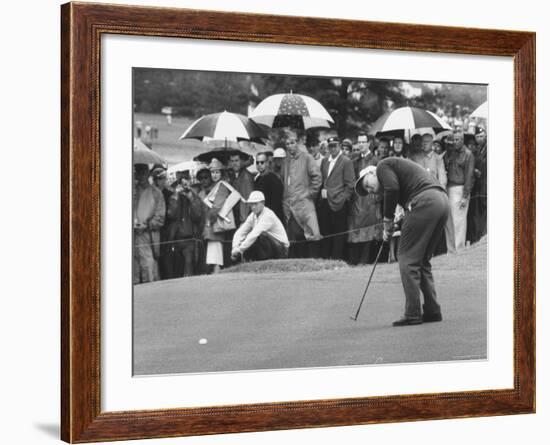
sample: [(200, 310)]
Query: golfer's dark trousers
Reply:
[(422, 228), (266, 247), (331, 223)]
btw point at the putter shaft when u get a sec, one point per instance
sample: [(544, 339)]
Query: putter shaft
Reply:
[(354, 318)]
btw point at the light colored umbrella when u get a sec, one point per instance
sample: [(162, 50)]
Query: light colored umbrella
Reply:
[(407, 120), (144, 155), (226, 127), (291, 110), (482, 111)]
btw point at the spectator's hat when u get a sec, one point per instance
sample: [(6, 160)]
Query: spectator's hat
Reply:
[(479, 130), (215, 164), (138, 168), (255, 196), (203, 171), (347, 143), (279, 153), (333, 140), (158, 173), (359, 187)]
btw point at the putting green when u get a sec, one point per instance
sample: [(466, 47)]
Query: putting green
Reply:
[(301, 319)]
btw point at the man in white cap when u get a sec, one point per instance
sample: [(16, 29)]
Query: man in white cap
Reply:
[(279, 156), (401, 181), (262, 235)]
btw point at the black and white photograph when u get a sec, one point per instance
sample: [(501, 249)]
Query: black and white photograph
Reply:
[(291, 221)]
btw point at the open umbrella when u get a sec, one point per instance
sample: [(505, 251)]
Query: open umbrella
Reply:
[(405, 120), (222, 154), (144, 155), (291, 110), (226, 127), (482, 111)]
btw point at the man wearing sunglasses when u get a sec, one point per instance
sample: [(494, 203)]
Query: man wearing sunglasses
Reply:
[(270, 185)]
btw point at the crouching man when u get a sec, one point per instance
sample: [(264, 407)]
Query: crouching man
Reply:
[(262, 235)]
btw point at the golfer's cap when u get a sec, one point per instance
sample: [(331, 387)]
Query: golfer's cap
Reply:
[(359, 189), (333, 140), (279, 153), (256, 196), (347, 142)]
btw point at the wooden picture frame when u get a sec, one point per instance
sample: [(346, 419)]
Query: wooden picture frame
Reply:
[(81, 414)]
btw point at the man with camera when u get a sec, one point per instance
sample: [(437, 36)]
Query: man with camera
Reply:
[(185, 212)]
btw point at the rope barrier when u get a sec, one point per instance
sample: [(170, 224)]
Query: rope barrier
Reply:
[(291, 242)]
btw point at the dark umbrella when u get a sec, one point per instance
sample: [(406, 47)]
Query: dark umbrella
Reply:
[(222, 154)]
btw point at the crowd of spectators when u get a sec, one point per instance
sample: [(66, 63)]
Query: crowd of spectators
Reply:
[(300, 203)]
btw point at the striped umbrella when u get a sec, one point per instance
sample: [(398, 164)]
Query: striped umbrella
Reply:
[(144, 155), (407, 119), (225, 127), (482, 111), (291, 110)]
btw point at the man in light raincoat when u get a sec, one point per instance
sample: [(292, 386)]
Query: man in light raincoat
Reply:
[(149, 213), (302, 181)]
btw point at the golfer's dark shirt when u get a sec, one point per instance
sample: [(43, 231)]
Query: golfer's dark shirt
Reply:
[(400, 181)]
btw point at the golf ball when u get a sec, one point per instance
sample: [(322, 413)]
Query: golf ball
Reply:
[(203, 341)]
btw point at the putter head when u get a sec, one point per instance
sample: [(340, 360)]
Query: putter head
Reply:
[(352, 318)]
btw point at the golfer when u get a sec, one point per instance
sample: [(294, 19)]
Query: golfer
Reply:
[(404, 182), (262, 235)]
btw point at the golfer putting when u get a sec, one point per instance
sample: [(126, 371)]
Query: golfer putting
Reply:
[(401, 181)]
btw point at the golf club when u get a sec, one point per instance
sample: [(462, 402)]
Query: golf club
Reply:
[(354, 318)]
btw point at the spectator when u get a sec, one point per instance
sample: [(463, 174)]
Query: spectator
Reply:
[(477, 212), (431, 161), (313, 146), (166, 258), (366, 150), (398, 148), (365, 212), (149, 213), (220, 219), (184, 211), (279, 156), (203, 189), (460, 174), (301, 181), (383, 149), (242, 181), (262, 236), (269, 157), (337, 188), (270, 185), (416, 145), (347, 148), (438, 148)]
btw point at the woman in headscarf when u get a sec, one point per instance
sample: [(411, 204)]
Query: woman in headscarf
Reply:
[(219, 200)]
